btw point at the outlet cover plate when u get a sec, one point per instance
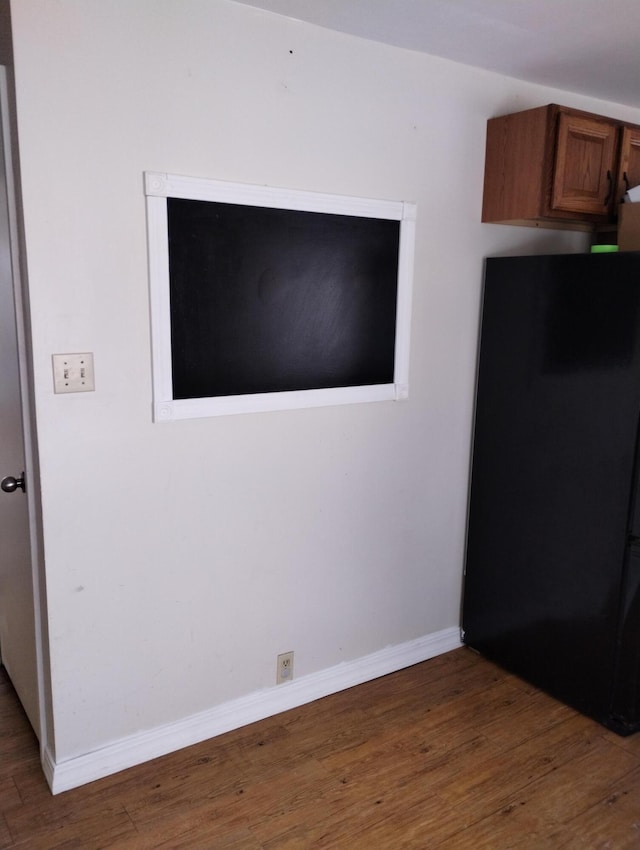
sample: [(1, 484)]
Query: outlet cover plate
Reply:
[(73, 373), (284, 671)]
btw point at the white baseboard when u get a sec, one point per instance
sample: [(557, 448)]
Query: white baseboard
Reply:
[(144, 746), (48, 766)]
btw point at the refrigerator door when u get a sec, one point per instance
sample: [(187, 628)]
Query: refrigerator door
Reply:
[(625, 709), (557, 407)]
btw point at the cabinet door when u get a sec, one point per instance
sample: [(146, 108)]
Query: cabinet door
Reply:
[(629, 170), (584, 165)]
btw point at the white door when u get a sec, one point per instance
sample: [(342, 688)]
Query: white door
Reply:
[(17, 619)]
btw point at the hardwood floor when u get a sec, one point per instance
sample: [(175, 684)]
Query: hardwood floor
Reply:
[(452, 753)]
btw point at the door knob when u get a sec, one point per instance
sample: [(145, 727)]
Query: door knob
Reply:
[(10, 484)]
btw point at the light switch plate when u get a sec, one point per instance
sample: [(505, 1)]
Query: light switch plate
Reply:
[(73, 373)]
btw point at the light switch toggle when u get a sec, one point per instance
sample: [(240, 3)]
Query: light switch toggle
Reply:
[(73, 373)]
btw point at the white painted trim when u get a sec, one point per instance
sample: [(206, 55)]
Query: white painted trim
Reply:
[(158, 246), (205, 189), (190, 408), (40, 726), (48, 765), (144, 746), (406, 257)]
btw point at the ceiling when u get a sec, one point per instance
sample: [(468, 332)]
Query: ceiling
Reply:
[(586, 46)]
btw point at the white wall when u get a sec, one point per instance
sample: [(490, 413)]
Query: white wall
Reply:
[(181, 558)]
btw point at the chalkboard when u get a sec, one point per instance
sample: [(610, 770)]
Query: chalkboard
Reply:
[(272, 300), (267, 299)]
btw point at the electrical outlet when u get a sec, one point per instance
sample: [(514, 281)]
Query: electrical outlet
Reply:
[(285, 668)]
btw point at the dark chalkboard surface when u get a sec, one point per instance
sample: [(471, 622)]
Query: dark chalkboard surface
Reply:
[(266, 300)]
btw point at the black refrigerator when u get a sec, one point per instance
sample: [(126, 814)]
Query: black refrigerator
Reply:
[(552, 573)]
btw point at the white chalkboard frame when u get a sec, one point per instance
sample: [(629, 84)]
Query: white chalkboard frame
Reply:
[(159, 187)]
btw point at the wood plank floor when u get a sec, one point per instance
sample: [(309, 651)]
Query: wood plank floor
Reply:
[(452, 753)]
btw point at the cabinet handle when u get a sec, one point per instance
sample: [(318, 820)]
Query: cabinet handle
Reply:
[(606, 200), (626, 181)]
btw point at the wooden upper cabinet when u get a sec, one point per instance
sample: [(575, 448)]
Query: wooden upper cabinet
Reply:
[(558, 167), (629, 168), (584, 164)]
